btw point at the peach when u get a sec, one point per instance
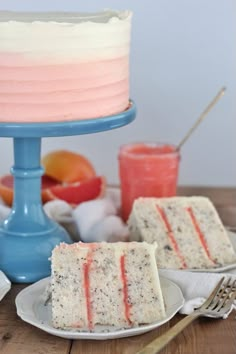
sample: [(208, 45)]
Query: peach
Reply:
[(67, 166)]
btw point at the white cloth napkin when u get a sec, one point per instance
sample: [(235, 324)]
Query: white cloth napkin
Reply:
[(195, 286), (98, 220), (5, 285)]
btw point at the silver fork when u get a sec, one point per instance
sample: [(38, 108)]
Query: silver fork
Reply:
[(216, 306)]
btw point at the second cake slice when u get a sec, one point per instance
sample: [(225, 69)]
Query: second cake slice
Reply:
[(188, 231)]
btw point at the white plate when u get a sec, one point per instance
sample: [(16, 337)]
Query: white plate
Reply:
[(30, 304), (232, 236), (5, 285)]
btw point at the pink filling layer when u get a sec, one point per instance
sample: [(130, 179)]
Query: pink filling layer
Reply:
[(171, 235), (62, 92), (127, 306), (199, 232)]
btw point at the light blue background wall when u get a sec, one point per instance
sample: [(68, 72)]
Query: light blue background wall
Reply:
[(183, 52)]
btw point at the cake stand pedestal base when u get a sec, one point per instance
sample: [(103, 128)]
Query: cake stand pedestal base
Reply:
[(27, 262)]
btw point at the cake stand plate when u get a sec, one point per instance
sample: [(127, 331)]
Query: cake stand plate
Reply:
[(28, 236)]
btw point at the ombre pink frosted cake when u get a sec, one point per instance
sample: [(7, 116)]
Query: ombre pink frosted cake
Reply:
[(63, 66)]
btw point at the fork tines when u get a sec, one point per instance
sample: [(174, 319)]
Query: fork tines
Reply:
[(220, 301), (222, 296)]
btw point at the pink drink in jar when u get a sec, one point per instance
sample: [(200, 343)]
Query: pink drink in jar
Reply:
[(147, 170)]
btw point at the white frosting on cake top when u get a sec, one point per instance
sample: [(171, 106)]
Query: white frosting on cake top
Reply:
[(65, 17), (80, 36)]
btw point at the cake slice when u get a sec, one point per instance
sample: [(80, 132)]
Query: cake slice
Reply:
[(111, 284), (188, 231)]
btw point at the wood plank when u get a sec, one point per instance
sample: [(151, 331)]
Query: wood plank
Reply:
[(16, 336), (202, 336), (219, 195), (226, 196), (225, 201)]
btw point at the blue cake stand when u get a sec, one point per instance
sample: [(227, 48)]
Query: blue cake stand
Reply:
[(28, 236)]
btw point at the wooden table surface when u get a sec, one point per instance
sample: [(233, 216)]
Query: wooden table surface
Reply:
[(204, 336)]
